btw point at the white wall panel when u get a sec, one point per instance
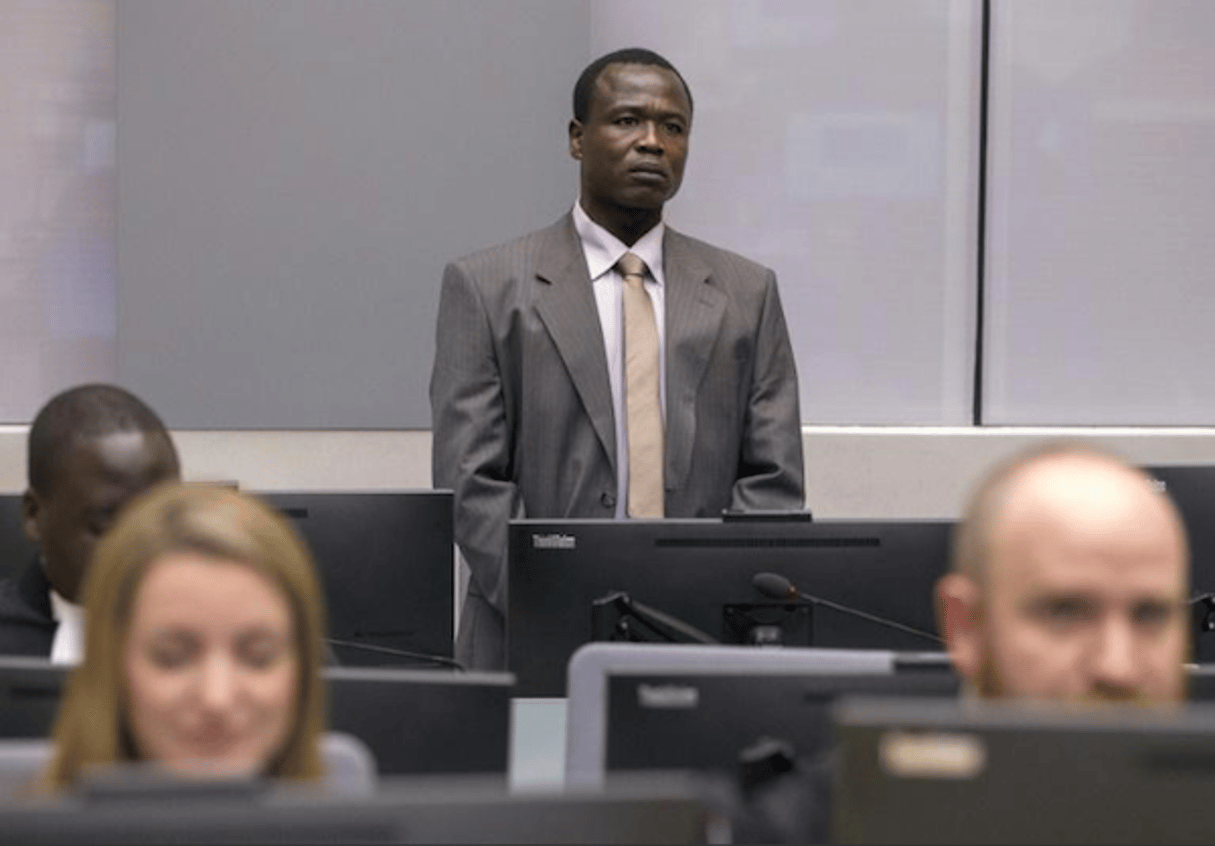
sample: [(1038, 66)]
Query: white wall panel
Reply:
[(1101, 193), (58, 295), (294, 175), (835, 141)]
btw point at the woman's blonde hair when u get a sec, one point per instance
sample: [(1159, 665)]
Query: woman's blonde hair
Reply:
[(92, 727)]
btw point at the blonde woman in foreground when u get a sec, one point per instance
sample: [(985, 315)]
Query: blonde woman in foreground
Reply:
[(204, 632)]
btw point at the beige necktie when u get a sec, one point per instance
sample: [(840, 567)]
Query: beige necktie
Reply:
[(642, 399)]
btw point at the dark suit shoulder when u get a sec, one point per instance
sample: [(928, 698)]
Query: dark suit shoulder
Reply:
[(26, 625)]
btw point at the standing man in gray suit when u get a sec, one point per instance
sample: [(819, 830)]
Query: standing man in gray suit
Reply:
[(530, 383)]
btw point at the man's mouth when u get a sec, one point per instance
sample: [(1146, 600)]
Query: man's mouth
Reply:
[(648, 172)]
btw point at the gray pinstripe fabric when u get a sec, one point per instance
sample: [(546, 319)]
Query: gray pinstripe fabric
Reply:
[(522, 408)]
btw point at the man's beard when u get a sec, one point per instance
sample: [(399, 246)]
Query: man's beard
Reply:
[(987, 680), (989, 684)]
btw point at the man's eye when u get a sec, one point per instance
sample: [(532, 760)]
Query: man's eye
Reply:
[(675, 128), (1153, 615), (1065, 612), (626, 121)]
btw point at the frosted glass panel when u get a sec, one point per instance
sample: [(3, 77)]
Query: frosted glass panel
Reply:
[(57, 277), (1101, 194), (294, 175), (835, 141)]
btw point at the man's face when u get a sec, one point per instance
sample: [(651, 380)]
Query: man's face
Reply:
[(1088, 605), (92, 483), (635, 140)]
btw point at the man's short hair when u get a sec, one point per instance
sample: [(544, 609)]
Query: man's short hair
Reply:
[(86, 411), (626, 56), (972, 540)]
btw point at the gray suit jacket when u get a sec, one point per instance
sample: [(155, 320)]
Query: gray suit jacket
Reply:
[(522, 408)]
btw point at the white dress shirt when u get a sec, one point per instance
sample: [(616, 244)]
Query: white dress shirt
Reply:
[(602, 250), (68, 645)]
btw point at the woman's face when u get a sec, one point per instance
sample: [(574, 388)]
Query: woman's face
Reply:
[(211, 666)]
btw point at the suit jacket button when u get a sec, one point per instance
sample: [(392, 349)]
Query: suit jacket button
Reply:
[(608, 500)]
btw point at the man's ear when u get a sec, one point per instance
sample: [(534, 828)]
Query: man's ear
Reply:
[(958, 616), (575, 131), (30, 506)]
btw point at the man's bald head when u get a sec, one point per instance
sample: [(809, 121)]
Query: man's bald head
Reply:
[(1069, 578), (1059, 481)]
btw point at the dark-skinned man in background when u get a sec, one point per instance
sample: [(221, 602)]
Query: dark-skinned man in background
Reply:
[(537, 408)]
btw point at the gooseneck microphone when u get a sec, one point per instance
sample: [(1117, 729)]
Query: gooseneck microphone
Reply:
[(398, 653), (778, 587)]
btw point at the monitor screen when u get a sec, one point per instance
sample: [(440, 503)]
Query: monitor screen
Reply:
[(701, 572), (706, 720), (652, 706), (434, 809), (29, 695), (413, 721), (424, 721), (1192, 487), (385, 559), (978, 772), (1201, 682)]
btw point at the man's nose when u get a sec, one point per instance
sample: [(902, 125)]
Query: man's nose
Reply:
[(1115, 664), (650, 138)]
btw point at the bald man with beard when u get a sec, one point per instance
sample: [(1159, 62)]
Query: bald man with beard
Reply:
[(1069, 581)]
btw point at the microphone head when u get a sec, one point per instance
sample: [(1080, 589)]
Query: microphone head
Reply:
[(774, 586)]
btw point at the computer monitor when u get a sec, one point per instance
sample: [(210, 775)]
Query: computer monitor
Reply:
[(651, 706), (940, 772), (424, 721), (451, 809), (1192, 487), (413, 721), (30, 689), (701, 572), (1200, 682), (385, 559)]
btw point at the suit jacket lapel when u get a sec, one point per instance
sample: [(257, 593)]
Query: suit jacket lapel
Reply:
[(694, 311), (565, 303)]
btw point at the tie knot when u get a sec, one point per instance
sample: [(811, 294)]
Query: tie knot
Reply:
[(631, 264)]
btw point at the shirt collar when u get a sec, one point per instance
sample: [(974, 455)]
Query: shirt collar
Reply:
[(603, 249), (67, 645), (61, 609)]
